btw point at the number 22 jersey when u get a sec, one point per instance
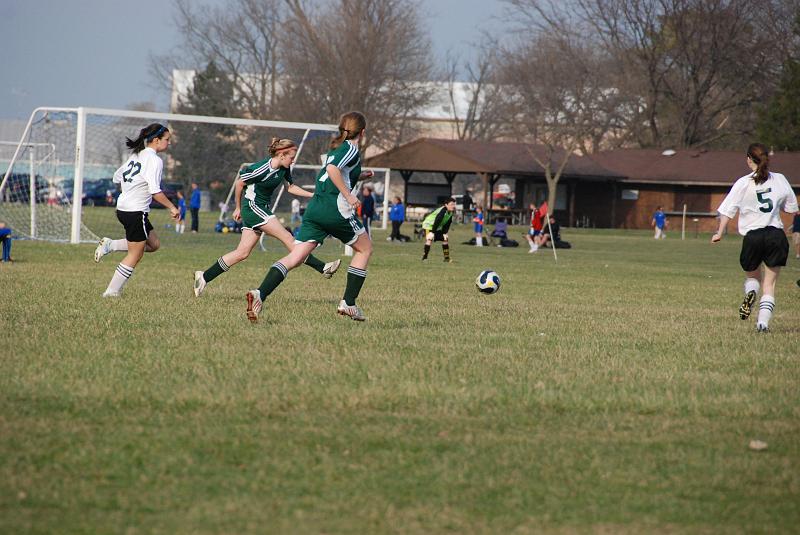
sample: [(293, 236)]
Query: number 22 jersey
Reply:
[(140, 177)]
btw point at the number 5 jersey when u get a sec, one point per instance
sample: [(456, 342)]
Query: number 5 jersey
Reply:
[(759, 205), (140, 177)]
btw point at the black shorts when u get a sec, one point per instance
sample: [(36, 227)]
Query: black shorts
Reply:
[(137, 225), (768, 245)]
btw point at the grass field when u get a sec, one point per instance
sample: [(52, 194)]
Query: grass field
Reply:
[(613, 392)]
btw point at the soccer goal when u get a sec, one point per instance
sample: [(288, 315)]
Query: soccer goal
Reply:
[(56, 180)]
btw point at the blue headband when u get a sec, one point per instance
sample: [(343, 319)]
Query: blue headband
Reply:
[(157, 133)]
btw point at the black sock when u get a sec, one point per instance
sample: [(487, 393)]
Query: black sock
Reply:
[(427, 250), (274, 277), (217, 268)]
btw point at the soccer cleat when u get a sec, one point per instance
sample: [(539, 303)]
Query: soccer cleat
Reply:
[(102, 249), (112, 294), (351, 310), (447, 260), (746, 306), (253, 305), (199, 283), (330, 268), (760, 328)]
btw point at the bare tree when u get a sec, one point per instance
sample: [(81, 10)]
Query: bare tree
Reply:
[(242, 39), (488, 115), (368, 55)]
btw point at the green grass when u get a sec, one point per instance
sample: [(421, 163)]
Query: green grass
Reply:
[(613, 392)]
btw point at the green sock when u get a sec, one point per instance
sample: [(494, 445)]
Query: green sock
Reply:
[(274, 277), (355, 280), (315, 263), (217, 268)]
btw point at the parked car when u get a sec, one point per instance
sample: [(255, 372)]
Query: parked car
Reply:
[(100, 192), (170, 189), (18, 188)]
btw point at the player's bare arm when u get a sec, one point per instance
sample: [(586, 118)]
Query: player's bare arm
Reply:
[(162, 199), (237, 213), (723, 223), (294, 189)]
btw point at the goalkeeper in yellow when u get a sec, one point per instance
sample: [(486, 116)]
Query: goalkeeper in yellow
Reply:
[(436, 226)]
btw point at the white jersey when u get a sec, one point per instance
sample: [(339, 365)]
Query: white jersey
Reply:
[(140, 177), (760, 205)]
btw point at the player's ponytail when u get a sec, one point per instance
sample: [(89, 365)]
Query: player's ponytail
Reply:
[(278, 145), (146, 135), (760, 156), (351, 125)]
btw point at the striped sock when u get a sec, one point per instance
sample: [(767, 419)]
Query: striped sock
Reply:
[(765, 310), (121, 276), (274, 277), (446, 251), (315, 263), (355, 280), (217, 268)]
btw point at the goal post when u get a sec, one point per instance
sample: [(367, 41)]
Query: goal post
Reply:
[(90, 145)]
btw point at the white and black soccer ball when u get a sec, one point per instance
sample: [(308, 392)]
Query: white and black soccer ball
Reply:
[(488, 282)]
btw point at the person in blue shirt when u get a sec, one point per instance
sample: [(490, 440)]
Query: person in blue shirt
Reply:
[(367, 209), (796, 235), (180, 225), (397, 214), (660, 224), (478, 220), (5, 237), (194, 206)]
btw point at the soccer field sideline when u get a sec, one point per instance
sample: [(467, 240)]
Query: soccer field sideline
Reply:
[(616, 390)]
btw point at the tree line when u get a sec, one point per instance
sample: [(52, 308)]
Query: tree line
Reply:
[(575, 77)]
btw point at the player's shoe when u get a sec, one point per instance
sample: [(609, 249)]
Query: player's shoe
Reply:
[(350, 310), (762, 328), (747, 304), (199, 283), (447, 260), (253, 305), (330, 268), (112, 294), (102, 249)]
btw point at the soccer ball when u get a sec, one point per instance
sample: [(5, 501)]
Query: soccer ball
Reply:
[(488, 282)]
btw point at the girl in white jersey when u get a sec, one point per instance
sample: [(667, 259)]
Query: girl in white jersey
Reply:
[(140, 177), (759, 198)]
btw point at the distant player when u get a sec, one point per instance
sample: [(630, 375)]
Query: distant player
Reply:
[(140, 177), (331, 212), (659, 223), (534, 235), (259, 180), (180, 226), (478, 223), (437, 226), (759, 198)]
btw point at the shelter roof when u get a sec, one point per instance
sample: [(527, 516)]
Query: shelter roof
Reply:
[(691, 167), (469, 156)]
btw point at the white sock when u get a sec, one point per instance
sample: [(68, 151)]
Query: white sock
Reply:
[(479, 241), (121, 276), (751, 285), (765, 310), (119, 245)]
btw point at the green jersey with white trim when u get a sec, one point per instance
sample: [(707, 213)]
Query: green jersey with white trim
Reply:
[(347, 158), (261, 180)]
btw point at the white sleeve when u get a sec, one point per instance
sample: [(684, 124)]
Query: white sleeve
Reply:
[(118, 174), (155, 167), (791, 199), (733, 200)]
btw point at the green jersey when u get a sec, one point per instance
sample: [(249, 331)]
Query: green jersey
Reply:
[(439, 220), (261, 180), (347, 158)]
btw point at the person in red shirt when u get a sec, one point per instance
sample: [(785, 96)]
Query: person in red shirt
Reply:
[(534, 235)]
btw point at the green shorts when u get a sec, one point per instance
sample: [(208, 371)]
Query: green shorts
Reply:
[(324, 218), (253, 216)]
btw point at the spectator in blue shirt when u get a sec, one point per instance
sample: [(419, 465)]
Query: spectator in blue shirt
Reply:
[(397, 214), (5, 237), (194, 206), (659, 223)]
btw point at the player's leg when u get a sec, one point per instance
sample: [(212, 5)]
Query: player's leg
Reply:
[(275, 276), (276, 230), (247, 242), (428, 240), (767, 305), (752, 284), (356, 275), (445, 246)]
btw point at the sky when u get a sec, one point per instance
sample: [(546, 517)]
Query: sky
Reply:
[(69, 53)]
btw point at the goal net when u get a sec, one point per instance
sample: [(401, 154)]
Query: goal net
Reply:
[(56, 180)]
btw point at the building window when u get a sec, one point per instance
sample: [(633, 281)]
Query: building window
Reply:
[(630, 194)]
